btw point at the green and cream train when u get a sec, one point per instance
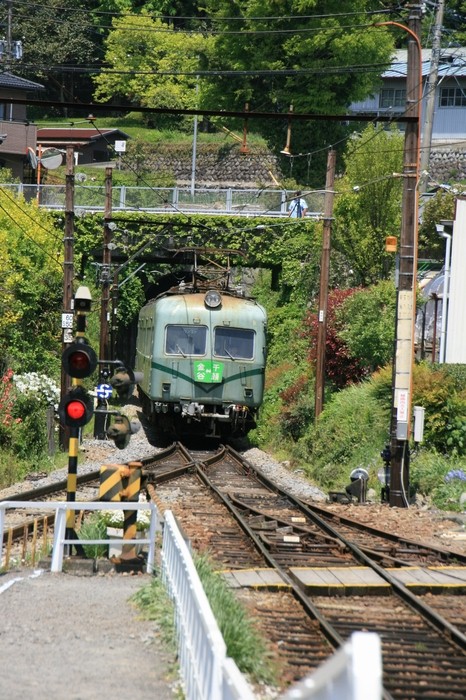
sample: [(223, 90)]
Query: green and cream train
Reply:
[(202, 355)]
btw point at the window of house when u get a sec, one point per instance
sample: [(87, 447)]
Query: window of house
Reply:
[(391, 97), (452, 97)]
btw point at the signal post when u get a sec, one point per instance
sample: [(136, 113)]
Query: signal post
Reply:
[(76, 407)]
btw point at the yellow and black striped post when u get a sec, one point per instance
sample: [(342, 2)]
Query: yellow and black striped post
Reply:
[(123, 482), (71, 485), (132, 483)]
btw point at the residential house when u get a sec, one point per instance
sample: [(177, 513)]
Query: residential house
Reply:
[(448, 142), (91, 145), (17, 134)]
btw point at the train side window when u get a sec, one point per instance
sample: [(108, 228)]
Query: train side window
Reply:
[(236, 343), (185, 340)]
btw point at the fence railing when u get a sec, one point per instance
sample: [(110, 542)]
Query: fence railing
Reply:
[(61, 509), (247, 202), (354, 672), (206, 672)]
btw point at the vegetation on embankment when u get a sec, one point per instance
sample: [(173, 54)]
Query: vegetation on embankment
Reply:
[(354, 425)]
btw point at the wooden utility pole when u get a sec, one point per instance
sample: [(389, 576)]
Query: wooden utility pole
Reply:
[(406, 296), (324, 276), (105, 280), (68, 278), (431, 94)]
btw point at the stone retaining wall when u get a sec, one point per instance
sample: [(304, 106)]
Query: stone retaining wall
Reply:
[(227, 167), (448, 163), (215, 167)]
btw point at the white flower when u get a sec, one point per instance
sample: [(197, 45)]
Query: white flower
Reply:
[(116, 518), (37, 386)]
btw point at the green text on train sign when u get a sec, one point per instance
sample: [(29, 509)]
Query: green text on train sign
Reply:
[(208, 371)]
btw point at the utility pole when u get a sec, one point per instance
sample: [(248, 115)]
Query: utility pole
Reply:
[(406, 299), (105, 279), (431, 93), (67, 321), (324, 276)]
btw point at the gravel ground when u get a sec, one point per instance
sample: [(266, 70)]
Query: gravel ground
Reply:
[(64, 634), (78, 637)]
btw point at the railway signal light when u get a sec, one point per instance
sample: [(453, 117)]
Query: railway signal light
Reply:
[(76, 408), (124, 382), (79, 359), (121, 429)]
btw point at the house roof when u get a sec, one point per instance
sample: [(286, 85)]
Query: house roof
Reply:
[(77, 136), (452, 63), (13, 82)]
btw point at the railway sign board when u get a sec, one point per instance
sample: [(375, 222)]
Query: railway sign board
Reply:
[(104, 391), (67, 320)]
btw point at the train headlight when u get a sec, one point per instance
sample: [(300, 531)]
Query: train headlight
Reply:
[(212, 299)]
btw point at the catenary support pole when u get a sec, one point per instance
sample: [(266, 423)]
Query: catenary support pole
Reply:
[(430, 95), (324, 277), (406, 301)]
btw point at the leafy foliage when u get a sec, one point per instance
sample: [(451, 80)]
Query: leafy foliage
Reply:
[(31, 281), (326, 45), (347, 435), (341, 366), (368, 208), (367, 321), (445, 417), (441, 207), (150, 61)]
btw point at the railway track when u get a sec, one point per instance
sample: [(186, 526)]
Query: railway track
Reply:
[(263, 539), (255, 530)]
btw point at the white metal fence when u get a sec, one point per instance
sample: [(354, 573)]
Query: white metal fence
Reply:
[(207, 673), (260, 202), (61, 508)]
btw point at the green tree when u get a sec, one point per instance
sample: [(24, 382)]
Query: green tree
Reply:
[(312, 54), (31, 282), (367, 321), (149, 60), (368, 206), (56, 38), (441, 207)]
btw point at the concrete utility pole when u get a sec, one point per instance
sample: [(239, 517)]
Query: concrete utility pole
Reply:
[(324, 275), (431, 93), (406, 301), (68, 277)]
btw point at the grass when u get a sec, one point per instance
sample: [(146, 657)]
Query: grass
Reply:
[(133, 124), (94, 528), (244, 644)]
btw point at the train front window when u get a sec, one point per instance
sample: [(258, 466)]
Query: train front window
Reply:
[(185, 340), (235, 343)]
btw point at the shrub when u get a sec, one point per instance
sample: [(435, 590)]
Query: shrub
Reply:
[(441, 477), (93, 528), (445, 416), (349, 433)]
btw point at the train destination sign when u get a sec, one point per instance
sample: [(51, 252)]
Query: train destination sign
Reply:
[(208, 371)]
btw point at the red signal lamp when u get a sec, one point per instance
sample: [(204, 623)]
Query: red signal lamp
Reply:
[(79, 360), (76, 408)]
